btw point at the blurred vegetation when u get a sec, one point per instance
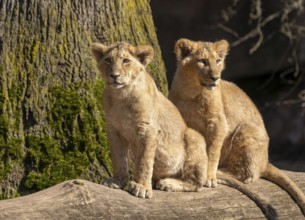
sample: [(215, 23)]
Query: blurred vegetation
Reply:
[(52, 125)]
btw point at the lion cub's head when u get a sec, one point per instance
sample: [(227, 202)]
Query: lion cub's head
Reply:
[(201, 61), (121, 63)]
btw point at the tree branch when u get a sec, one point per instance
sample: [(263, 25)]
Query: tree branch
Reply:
[(81, 199)]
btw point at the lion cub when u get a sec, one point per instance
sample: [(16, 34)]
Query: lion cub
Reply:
[(139, 118), (233, 128)]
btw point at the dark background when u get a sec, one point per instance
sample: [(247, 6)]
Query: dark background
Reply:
[(266, 59)]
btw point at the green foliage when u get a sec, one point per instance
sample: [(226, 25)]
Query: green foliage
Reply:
[(79, 137), (51, 165), (52, 125), (10, 151)]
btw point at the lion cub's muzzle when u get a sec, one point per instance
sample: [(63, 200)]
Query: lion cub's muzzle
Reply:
[(214, 78), (115, 75), (211, 81), (115, 80)]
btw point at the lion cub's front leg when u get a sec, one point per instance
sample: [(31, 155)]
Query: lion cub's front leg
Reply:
[(215, 137), (119, 150), (144, 161)]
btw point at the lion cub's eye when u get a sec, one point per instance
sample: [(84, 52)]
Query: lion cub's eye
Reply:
[(126, 60), (108, 60), (218, 61), (204, 61)]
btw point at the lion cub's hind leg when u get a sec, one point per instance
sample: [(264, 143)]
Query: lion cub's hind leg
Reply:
[(177, 185), (248, 157), (194, 173)]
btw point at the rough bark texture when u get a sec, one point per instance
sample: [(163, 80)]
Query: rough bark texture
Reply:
[(80, 199), (51, 119)]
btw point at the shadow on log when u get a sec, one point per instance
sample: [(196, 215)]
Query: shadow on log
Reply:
[(81, 199)]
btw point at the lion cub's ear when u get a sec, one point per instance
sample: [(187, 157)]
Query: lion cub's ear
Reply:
[(99, 50), (222, 48), (184, 48), (144, 53)]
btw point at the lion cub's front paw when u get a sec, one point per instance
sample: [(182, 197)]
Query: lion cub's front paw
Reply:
[(211, 182), (113, 183), (140, 190)]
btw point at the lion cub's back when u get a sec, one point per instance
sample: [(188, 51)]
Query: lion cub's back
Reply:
[(238, 106), (169, 118)]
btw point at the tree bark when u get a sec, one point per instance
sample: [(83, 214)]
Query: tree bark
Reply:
[(51, 117), (81, 199)]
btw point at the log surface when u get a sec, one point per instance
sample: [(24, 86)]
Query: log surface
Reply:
[(81, 199)]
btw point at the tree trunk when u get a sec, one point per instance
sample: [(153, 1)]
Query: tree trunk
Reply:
[(51, 116), (80, 199)]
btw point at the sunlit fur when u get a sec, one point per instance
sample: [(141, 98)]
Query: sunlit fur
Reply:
[(140, 119), (234, 130)]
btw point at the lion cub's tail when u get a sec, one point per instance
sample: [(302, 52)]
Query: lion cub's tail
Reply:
[(261, 202), (276, 176)]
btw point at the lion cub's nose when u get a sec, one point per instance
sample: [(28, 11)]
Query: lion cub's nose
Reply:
[(214, 78), (115, 75)]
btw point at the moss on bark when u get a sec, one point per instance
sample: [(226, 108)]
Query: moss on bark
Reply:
[(51, 115)]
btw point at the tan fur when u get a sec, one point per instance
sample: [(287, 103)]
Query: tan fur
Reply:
[(140, 119), (236, 138)]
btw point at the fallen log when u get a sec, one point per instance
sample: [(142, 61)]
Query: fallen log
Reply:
[(81, 199)]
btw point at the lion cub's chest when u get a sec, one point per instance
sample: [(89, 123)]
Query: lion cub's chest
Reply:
[(124, 119), (190, 110), (200, 114)]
